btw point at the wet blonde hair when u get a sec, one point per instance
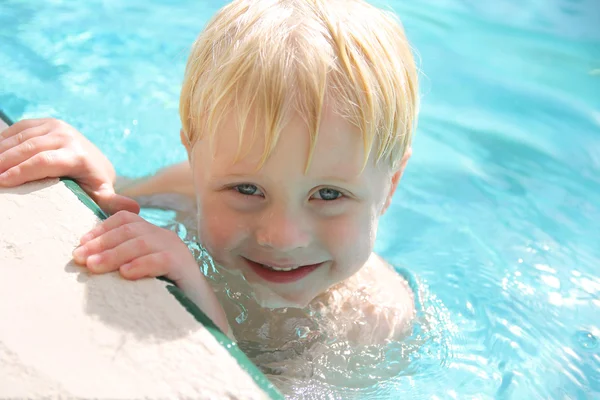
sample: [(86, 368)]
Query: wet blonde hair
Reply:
[(264, 60)]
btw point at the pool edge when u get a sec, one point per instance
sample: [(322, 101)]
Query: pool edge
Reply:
[(225, 342)]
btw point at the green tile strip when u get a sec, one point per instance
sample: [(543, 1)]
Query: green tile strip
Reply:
[(84, 198), (5, 118), (259, 378)]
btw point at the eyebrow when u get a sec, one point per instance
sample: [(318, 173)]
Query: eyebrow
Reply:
[(235, 175), (352, 181)]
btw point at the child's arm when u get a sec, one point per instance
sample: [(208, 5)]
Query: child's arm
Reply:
[(197, 289), (35, 149), (127, 243), (176, 178), (46, 148)]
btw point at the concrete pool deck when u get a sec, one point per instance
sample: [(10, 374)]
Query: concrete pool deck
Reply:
[(69, 334)]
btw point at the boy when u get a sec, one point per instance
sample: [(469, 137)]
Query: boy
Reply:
[(297, 118)]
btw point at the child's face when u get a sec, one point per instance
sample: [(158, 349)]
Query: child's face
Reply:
[(321, 223)]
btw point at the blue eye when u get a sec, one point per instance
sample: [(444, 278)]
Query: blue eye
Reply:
[(247, 189), (328, 194)]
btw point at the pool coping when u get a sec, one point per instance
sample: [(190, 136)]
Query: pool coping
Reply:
[(229, 345)]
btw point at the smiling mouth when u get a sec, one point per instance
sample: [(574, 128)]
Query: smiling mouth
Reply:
[(279, 274), (281, 268)]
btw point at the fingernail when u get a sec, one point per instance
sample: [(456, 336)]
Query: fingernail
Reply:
[(79, 254), (93, 260), (85, 238), (125, 268)]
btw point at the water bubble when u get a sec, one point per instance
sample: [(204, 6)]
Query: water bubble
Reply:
[(586, 339)]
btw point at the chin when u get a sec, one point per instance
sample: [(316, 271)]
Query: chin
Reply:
[(267, 298)]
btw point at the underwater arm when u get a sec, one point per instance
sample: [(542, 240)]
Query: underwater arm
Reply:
[(176, 178), (197, 289)]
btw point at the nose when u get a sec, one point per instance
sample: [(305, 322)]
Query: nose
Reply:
[(283, 231)]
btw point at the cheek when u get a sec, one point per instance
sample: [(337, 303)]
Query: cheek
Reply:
[(351, 239), (218, 227)]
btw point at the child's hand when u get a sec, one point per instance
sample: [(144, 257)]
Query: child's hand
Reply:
[(138, 249), (135, 247), (47, 148)]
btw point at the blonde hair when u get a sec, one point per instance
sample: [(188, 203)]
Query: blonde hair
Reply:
[(266, 59)]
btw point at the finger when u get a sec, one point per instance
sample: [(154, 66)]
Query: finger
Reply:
[(22, 136), (21, 126), (42, 165), (120, 218), (108, 240), (151, 265), (112, 203), (124, 253), (26, 150)]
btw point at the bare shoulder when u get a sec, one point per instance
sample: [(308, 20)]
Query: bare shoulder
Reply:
[(394, 301), (389, 289), (379, 299)]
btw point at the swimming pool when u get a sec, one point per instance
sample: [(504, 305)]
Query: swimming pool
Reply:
[(499, 208)]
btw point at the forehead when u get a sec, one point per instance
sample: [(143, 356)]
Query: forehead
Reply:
[(338, 151)]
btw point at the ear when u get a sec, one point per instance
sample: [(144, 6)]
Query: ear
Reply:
[(185, 141), (395, 179)]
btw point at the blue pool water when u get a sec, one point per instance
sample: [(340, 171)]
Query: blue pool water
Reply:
[(499, 210)]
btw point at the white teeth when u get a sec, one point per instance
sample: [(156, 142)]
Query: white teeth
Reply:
[(281, 269)]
